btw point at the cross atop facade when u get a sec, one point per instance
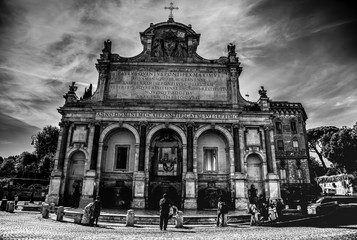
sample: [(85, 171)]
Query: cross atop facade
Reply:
[(171, 8)]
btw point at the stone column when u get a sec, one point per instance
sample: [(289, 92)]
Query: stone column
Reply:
[(142, 146), (272, 183), (190, 147), (96, 129), (63, 146), (139, 176), (240, 191), (87, 189), (98, 167), (237, 157), (190, 201), (139, 190), (54, 191), (268, 148)]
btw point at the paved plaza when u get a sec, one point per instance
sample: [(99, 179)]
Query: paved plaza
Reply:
[(32, 226)]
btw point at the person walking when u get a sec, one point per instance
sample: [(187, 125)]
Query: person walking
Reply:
[(254, 214), (279, 210), (97, 205), (165, 205), (16, 200), (221, 210)]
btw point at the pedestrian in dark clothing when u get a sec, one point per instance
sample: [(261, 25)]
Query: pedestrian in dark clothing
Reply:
[(279, 210), (221, 210), (303, 205), (97, 205), (264, 212), (16, 200), (165, 205)]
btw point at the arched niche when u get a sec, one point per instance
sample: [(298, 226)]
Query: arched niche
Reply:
[(212, 152), (120, 148), (255, 173), (74, 181)]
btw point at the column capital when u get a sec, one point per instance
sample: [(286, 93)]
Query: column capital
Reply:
[(64, 123), (268, 127), (143, 123), (237, 125), (190, 124), (94, 123)]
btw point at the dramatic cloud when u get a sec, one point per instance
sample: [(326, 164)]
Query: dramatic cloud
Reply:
[(301, 51)]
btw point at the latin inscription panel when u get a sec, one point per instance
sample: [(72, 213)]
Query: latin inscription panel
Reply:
[(168, 85)]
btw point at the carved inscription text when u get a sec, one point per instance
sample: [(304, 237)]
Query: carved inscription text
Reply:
[(167, 85)]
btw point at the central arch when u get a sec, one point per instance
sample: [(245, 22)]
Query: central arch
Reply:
[(165, 166)]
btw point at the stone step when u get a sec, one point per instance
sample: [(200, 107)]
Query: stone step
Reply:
[(155, 219)]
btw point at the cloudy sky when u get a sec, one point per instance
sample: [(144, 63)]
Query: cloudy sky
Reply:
[(301, 51)]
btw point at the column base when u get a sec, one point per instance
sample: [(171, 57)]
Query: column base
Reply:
[(273, 185), (138, 203), (190, 204), (241, 203), (54, 191), (52, 198)]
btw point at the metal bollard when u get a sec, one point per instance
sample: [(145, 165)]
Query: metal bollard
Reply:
[(45, 210), (10, 207), (179, 219), (130, 218), (60, 213)]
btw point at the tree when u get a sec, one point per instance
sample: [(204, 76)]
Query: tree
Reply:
[(341, 149), (7, 168), (46, 165), (317, 137), (45, 143), (26, 164), (316, 167)]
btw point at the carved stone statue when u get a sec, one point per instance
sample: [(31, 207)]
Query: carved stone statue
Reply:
[(231, 48), (263, 92), (107, 50), (73, 87), (107, 46), (181, 50), (157, 49), (71, 96)]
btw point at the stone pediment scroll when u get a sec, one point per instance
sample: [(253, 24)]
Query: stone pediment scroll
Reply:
[(168, 42)]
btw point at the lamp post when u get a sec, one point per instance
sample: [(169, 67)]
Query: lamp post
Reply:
[(11, 183), (32, 193)]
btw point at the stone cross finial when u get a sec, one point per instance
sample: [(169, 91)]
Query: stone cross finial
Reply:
[(171, 8)]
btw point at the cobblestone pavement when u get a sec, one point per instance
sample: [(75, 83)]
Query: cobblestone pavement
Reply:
[(33, 226)]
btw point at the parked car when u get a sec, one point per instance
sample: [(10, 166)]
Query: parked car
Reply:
[(326, 204)]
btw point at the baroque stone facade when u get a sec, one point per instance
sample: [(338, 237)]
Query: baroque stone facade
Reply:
[(170, 121)]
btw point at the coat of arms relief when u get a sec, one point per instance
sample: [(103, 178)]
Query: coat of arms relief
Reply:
[(169, 43)]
